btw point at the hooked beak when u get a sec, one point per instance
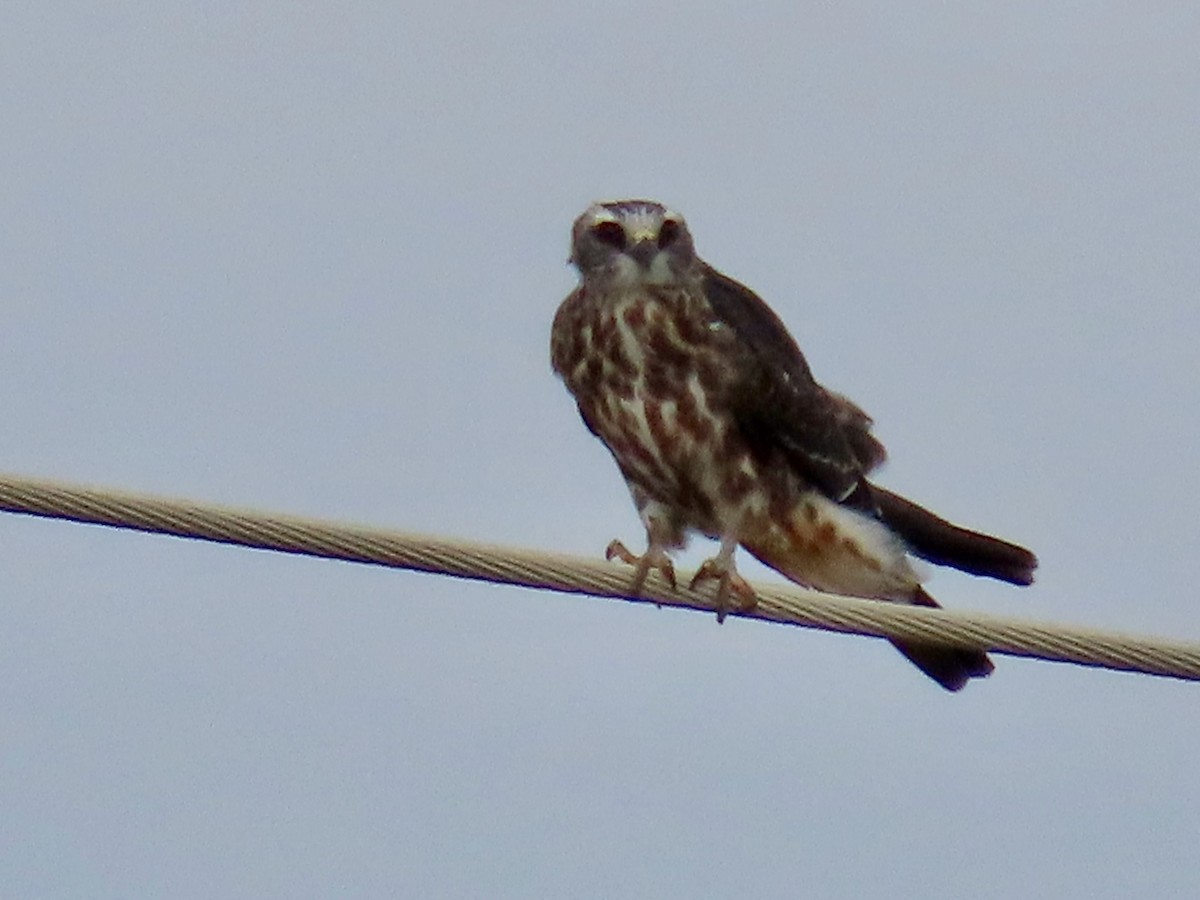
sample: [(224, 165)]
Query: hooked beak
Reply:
[(643, 252)]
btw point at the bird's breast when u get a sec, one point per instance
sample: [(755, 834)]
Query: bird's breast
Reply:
[(647, 371)]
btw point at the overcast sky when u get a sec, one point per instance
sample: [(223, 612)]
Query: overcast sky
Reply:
[(304, 258)]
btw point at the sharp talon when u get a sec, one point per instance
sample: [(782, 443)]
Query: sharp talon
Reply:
[(736, 586), (617, 550), (706, 571), (667, 569)]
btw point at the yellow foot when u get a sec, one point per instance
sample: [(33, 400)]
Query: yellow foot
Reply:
[(730, 584), (653, 558)]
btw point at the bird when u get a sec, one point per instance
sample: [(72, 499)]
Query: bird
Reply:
[(719, 427)]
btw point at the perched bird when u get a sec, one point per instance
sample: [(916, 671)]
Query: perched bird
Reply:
[(718, 426)]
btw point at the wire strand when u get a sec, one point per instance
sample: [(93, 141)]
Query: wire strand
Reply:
[(576, 575)]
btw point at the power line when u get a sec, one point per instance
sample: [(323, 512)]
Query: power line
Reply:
[(577, 575)]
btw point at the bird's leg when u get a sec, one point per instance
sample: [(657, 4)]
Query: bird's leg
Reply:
[(722, 568), (659, 538), (655, 557)]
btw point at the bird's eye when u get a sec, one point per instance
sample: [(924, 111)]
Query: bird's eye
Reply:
[(667, 233), (610, 233)]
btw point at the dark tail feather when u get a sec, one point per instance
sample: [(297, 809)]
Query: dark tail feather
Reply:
[(933, 538), (951, 667)]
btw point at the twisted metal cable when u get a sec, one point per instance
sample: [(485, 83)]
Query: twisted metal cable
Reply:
[(572, 574)]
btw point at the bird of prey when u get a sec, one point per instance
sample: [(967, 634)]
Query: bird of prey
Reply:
[(718, 426)]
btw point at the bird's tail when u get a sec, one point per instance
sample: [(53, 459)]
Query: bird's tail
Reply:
[(951, 667), (933, 538), (854, 554)]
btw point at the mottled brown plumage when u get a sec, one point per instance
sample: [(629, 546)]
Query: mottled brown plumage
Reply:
[(718, 426)]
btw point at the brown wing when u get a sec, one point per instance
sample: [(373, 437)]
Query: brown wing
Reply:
[(779, 405)]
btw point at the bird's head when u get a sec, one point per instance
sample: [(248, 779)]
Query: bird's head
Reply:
[(630, 242)]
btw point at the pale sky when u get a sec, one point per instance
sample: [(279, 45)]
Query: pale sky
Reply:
[(304, 258)]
